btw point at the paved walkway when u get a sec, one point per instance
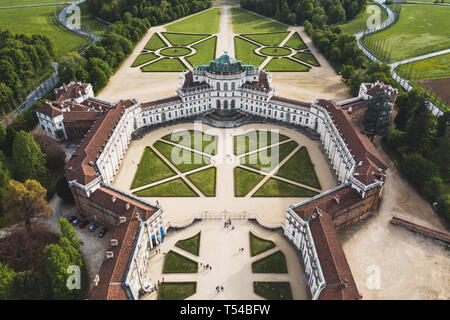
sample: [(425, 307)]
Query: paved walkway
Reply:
[(270, 211), (231, 269)]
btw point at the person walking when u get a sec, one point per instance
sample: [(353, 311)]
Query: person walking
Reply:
[(221, 288)]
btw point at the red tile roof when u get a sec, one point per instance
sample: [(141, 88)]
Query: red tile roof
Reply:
[(374, 88), (71, 91), (49, 110), (161, 101), (340, 284), (291, 101)]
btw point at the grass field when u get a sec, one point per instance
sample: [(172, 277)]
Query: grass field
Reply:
[(360, 22), (177, 263), (175, 52), (206, 23), (89, 23), (245, 181), (432, 68), (285, 64), (421, 29), (191, 244), (274, 51), (266, 160), (174, 188), (155, 43), (246, 22), (274, 263), (176, 290), (165, 65), (273, 290), (256, 139), (184, 160), (296, 42), (206, 51), (196, 140), (299, 168), (183, 39), (307, 57), (276, 188), (267, 39), (245, 51), (7, 3), (259, 245), (40, 20), (205, 181), (143, 58), (151, 169)]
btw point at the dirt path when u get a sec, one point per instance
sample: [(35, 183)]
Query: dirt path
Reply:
[(410, 266)]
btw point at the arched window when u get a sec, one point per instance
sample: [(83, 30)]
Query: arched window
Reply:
[(225, 104), (218, 86), (233, 104), (218, 104), (225, 87), (233, 86)]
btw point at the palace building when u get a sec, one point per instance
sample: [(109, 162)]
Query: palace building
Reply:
[(224, 85)]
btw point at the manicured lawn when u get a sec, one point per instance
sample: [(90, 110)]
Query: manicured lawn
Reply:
[(206, 23), (39, 20), (256, 139), (307, 57), (432, 68), (177, 263), (165, 65), (276, 188), (183, 39), (246, 22), (359, 23), (191, 245), (174, 188), (259, 245), (151, 169), (273, 290), (274, 263), (421, 29), (245, 51), (267, 39), (184, 160), (176, 290), (266, 160), (196, 140), (274, 51), (175, 52), (143, 58), (206, 51), (155, 43), (285, 64), (244, 181), (205, 181), (296, 42), (299, 168)]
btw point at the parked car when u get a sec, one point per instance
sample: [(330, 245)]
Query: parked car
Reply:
[(84, 223), (93, 226), (71, 218), (102, 232), (76, 221)]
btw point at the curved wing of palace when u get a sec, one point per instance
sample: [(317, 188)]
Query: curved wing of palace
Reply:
[(225, 84)]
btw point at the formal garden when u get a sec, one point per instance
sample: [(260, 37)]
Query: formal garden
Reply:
[(185, 44), (272, 263), (263, 42)]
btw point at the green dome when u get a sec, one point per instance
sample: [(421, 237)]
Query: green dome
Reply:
[(225, 64)]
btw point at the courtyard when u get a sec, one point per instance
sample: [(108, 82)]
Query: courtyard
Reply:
[(253, 179), (233, 269)]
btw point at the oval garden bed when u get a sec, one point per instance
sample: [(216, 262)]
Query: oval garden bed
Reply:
[(175, 51), (275, 51)]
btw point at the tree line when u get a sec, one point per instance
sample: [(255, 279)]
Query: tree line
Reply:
[(296, 12), (23, 59)]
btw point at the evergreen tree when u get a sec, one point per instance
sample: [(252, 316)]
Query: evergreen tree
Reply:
[(377, 118), (28, 161)]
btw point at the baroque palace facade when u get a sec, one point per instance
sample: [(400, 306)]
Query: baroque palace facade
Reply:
[(225, 84)]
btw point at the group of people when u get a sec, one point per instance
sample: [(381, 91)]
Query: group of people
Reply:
[(205, 266), (219, 288), (227, 223)]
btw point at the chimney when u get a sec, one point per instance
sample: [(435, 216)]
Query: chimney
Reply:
[(337, 198), (113, 243), (113, 199), (96, 280), (127, 206), (122, 220), (109, 255)]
